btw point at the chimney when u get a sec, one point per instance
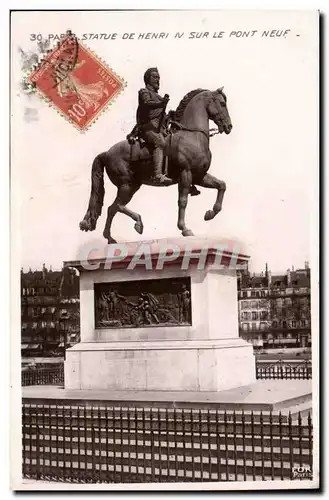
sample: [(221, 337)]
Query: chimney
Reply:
[(44, 270), (288, 277), (307, 266)]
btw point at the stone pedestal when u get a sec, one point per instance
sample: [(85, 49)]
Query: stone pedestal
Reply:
[(205, 354)]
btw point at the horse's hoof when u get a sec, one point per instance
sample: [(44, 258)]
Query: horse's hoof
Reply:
[(84, 226), (139, 227), (210, 214), (187, 232)]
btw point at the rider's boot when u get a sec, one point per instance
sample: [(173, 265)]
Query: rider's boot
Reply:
[(159, 178)]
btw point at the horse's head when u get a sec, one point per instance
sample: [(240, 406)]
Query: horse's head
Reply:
[(218, 112)]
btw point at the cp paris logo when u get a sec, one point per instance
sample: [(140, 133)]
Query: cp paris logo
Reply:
[(76, 82)]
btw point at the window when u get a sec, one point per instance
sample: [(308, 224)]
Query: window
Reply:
[(253, 315), (244, 294), (284, 324), (253, 293), (293, 324), (254, 326), (303, 323), (254, 304)]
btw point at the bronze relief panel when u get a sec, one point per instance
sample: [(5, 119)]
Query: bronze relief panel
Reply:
[(157, 302)]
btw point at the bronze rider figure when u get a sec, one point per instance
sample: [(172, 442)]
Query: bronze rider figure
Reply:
[(150, 117), (151, 124)]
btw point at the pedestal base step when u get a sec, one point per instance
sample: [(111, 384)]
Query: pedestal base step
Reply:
[(263, 395), (205, 365)]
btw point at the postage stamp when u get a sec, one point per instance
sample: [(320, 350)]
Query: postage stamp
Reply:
[(76, 82)]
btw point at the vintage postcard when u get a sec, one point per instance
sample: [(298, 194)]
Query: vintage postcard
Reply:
[(164, 210)]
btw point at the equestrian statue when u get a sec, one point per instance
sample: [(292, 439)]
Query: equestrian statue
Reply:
[(161, 150)]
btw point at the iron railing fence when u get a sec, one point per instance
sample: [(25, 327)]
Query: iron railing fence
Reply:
[(264, 370), (284, 370), (109, 444), (44, 376)]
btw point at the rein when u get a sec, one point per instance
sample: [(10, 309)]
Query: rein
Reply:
[(212, 131)]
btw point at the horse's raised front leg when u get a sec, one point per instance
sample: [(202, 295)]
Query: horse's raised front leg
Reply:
[(124, 195), (211, 182), (184, 186)]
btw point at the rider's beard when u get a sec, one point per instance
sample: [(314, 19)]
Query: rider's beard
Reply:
[(156, 86)]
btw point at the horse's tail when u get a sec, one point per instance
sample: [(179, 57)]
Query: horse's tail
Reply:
[(97, 194)]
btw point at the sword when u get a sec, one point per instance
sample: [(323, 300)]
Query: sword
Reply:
[(165, 157)]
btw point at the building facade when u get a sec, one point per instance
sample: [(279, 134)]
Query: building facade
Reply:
[(49, 310), (275, 309)]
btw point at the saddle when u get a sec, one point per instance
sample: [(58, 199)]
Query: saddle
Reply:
[(140, 149)]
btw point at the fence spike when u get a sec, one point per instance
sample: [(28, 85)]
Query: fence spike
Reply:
[(299, 418)]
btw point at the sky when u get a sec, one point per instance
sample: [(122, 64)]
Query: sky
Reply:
[(269, 161)]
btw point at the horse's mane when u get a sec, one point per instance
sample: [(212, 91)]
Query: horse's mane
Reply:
[(178, 114)]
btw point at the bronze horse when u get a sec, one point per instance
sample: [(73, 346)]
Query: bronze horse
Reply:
[(189, 159)]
